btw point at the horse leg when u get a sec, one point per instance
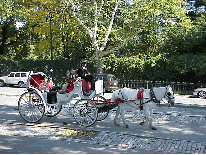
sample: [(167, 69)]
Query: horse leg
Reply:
[(116, 116), (122, 114), (150, 120), (148, 113)]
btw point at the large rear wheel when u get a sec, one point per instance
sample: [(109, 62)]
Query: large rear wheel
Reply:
[(85, 112), (31, 107)]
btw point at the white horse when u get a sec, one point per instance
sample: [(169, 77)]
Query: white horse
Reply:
[(148, 99)]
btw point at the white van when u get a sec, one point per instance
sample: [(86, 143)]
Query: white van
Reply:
[(15, 78)]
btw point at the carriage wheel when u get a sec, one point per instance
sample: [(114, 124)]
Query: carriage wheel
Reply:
[(31, 107), (53, 110), (85, 112), (102, 114)]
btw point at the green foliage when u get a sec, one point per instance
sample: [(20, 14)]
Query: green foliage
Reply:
[(186, 67), (151, 39), (136, 67)]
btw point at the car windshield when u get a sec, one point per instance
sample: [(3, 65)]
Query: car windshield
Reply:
[(11, 75)]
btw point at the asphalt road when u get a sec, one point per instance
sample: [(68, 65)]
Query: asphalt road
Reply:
[(189, 131)]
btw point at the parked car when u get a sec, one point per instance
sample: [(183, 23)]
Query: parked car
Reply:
[(200, 92), (15, 78), (110, 82)]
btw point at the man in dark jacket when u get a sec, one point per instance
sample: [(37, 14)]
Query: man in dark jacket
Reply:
[(83, 73)]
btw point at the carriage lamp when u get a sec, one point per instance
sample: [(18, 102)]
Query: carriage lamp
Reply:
[(110, 83)]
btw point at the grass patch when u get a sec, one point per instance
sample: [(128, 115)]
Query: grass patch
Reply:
[(79, 134)]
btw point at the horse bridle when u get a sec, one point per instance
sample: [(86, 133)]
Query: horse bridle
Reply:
[(169, 94)]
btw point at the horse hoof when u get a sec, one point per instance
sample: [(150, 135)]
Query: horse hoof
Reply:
[(153, 128), (127, 126), (116, 125), (142, 123)]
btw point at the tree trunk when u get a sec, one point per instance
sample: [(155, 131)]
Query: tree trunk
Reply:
[(99, 62)]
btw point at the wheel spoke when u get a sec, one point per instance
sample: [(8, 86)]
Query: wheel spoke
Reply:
[(31, 107), (85, 112), (100, 101)]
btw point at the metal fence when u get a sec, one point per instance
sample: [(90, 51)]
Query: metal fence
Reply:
[(178, 87)]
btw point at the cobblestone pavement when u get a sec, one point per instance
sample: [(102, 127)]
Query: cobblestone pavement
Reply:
[(149, 143)]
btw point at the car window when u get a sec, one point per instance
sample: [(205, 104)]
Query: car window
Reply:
[(102, 76), (23, 74), (11, 75), (106, 78), (17, 75)]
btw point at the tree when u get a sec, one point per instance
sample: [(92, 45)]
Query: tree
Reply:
[(112, 24), (199, 3), (12, 37)]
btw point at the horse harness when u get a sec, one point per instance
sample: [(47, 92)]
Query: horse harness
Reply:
[(139, 97), (152, 98)]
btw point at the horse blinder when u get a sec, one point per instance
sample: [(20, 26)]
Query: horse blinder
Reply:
[(169, 94)]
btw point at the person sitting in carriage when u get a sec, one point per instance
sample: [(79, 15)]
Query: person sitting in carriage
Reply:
[(42, 85), (87, 78), (46, 84), (50, 83)]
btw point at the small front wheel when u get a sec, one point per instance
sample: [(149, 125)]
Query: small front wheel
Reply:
[(85, 112), (31, 107)]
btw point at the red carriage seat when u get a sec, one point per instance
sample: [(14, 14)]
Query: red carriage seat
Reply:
[(86, 86), (71, 86)]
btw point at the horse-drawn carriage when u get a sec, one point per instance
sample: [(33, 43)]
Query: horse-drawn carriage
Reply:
[(36, 103)]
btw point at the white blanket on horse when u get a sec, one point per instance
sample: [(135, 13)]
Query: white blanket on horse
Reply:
[(129, 94)]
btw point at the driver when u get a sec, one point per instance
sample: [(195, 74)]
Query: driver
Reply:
[(83, 73)]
